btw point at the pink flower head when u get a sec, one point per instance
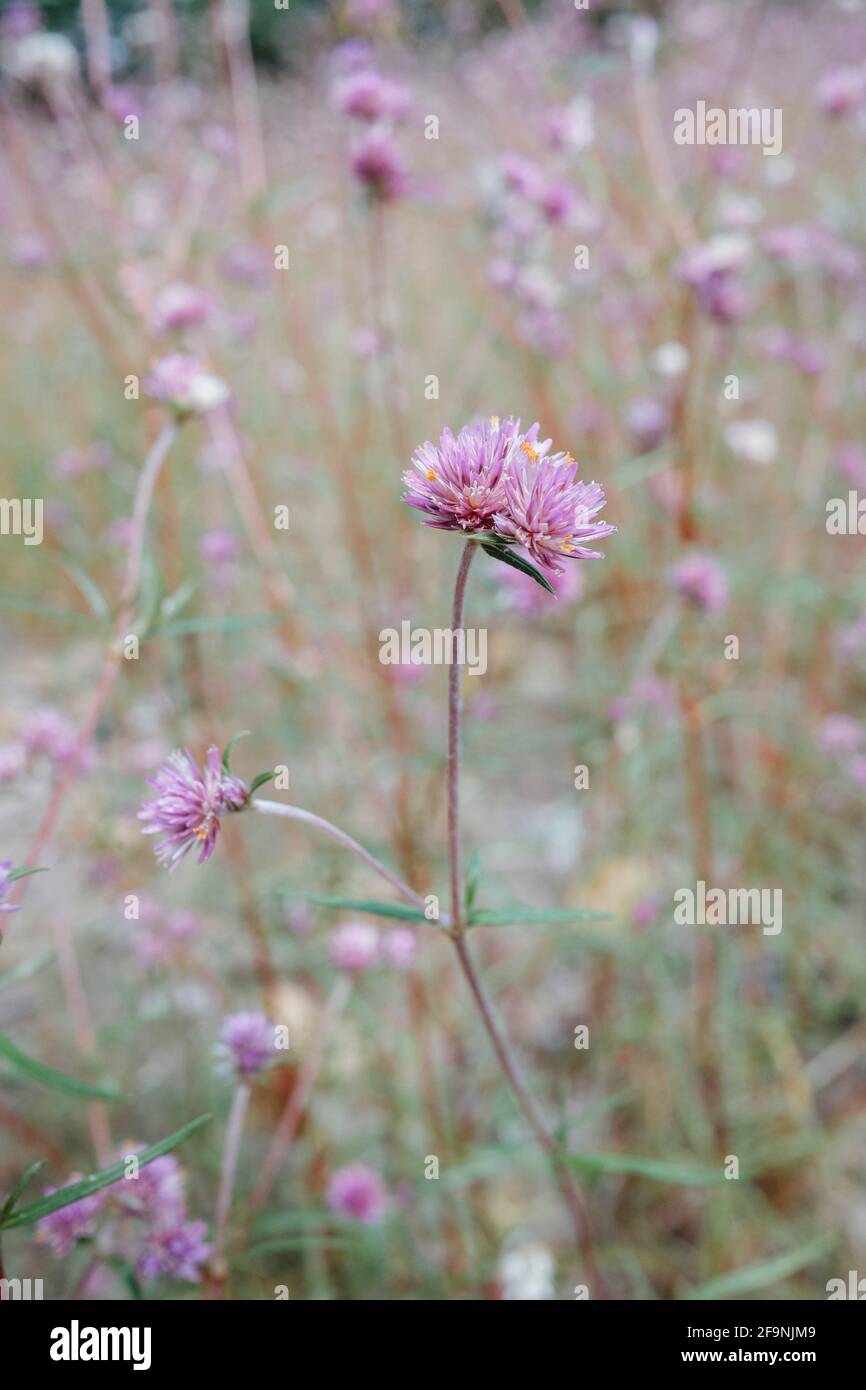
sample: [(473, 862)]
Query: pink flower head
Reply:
[(379, 167), (358, 1191), (842, 90), (50, 733), (549, 511), (558, 203), (188, 805), (461, 483), (400, 946), (185, 385), (522, 176), (5, 874), (354, 947), (180, 306), (701, 581), (176, 1250), (13, 761), (61, 1229), (219, 547), (841, 736), (648, 421), (366, 96), (248, 1038), (155, 1193)]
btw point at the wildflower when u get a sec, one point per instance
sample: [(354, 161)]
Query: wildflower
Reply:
[(841, 736), (527, 1274), (5, 879), (45, 731), (248, 1040), (550, 513), (61, 1229), (189, 804), (648, 422), (179, 306), (176, 1249), (185, 385), (842, 90), (354, 947), (366, 96), (219, 547), (701, 581), (359, 1192), (156, 1193), (400, 946), (756, 441), (378, 166), (461, 483)]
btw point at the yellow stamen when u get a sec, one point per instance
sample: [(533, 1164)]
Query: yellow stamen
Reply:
[(494, 420), (530, 452), (431, 474)]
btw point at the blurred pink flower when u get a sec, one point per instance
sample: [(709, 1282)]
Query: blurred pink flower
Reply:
[(354, 947), (701, 580), (379, 167), (179, 306), (366, 96), (400, 946), (358, 1191), (61, 1229), (248, 1039)]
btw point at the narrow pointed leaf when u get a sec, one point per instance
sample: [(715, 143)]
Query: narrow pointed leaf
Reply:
[(404, 911), (518, 563), (47, 1076), (24, 1216)]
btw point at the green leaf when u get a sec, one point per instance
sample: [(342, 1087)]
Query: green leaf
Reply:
[(473, 876), (403, 911), (758, 1276), (659, 1170), (173, 603), (528, 917), (230, 748), (516, 562), (26, 1178), (24, 969), (24, 1216), (23, 873), (96, 600), (260, 779), (47, 1076)]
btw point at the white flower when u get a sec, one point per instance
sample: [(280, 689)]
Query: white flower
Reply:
[(756, 441), (43, 61), (527, 1273), (670, 359)]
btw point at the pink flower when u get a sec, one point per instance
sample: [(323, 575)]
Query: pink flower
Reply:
[(400, 946), (549, 511), (701, 581), (249, 1040), (189, 804), (185, 385), (368, 97), (359, 1192), (176, 1250), (841, 736), (61, 1229), (180, 306), (461, 483), (354, 947), (842, 90), (379, 167)]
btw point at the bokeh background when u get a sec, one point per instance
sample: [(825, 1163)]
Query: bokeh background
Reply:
[(706, 363)]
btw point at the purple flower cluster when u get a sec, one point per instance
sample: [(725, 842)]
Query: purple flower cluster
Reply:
[(144, 1220), (188, 805), (5, 874), (358, 1191), (494, 479), (248, 1041)]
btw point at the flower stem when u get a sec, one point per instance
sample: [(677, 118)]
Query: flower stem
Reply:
[(501, 1048), (231, 1152), (455, 676), (280, 808)]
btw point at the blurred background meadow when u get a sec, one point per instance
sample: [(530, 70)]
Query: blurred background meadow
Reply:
[(372, 219)]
